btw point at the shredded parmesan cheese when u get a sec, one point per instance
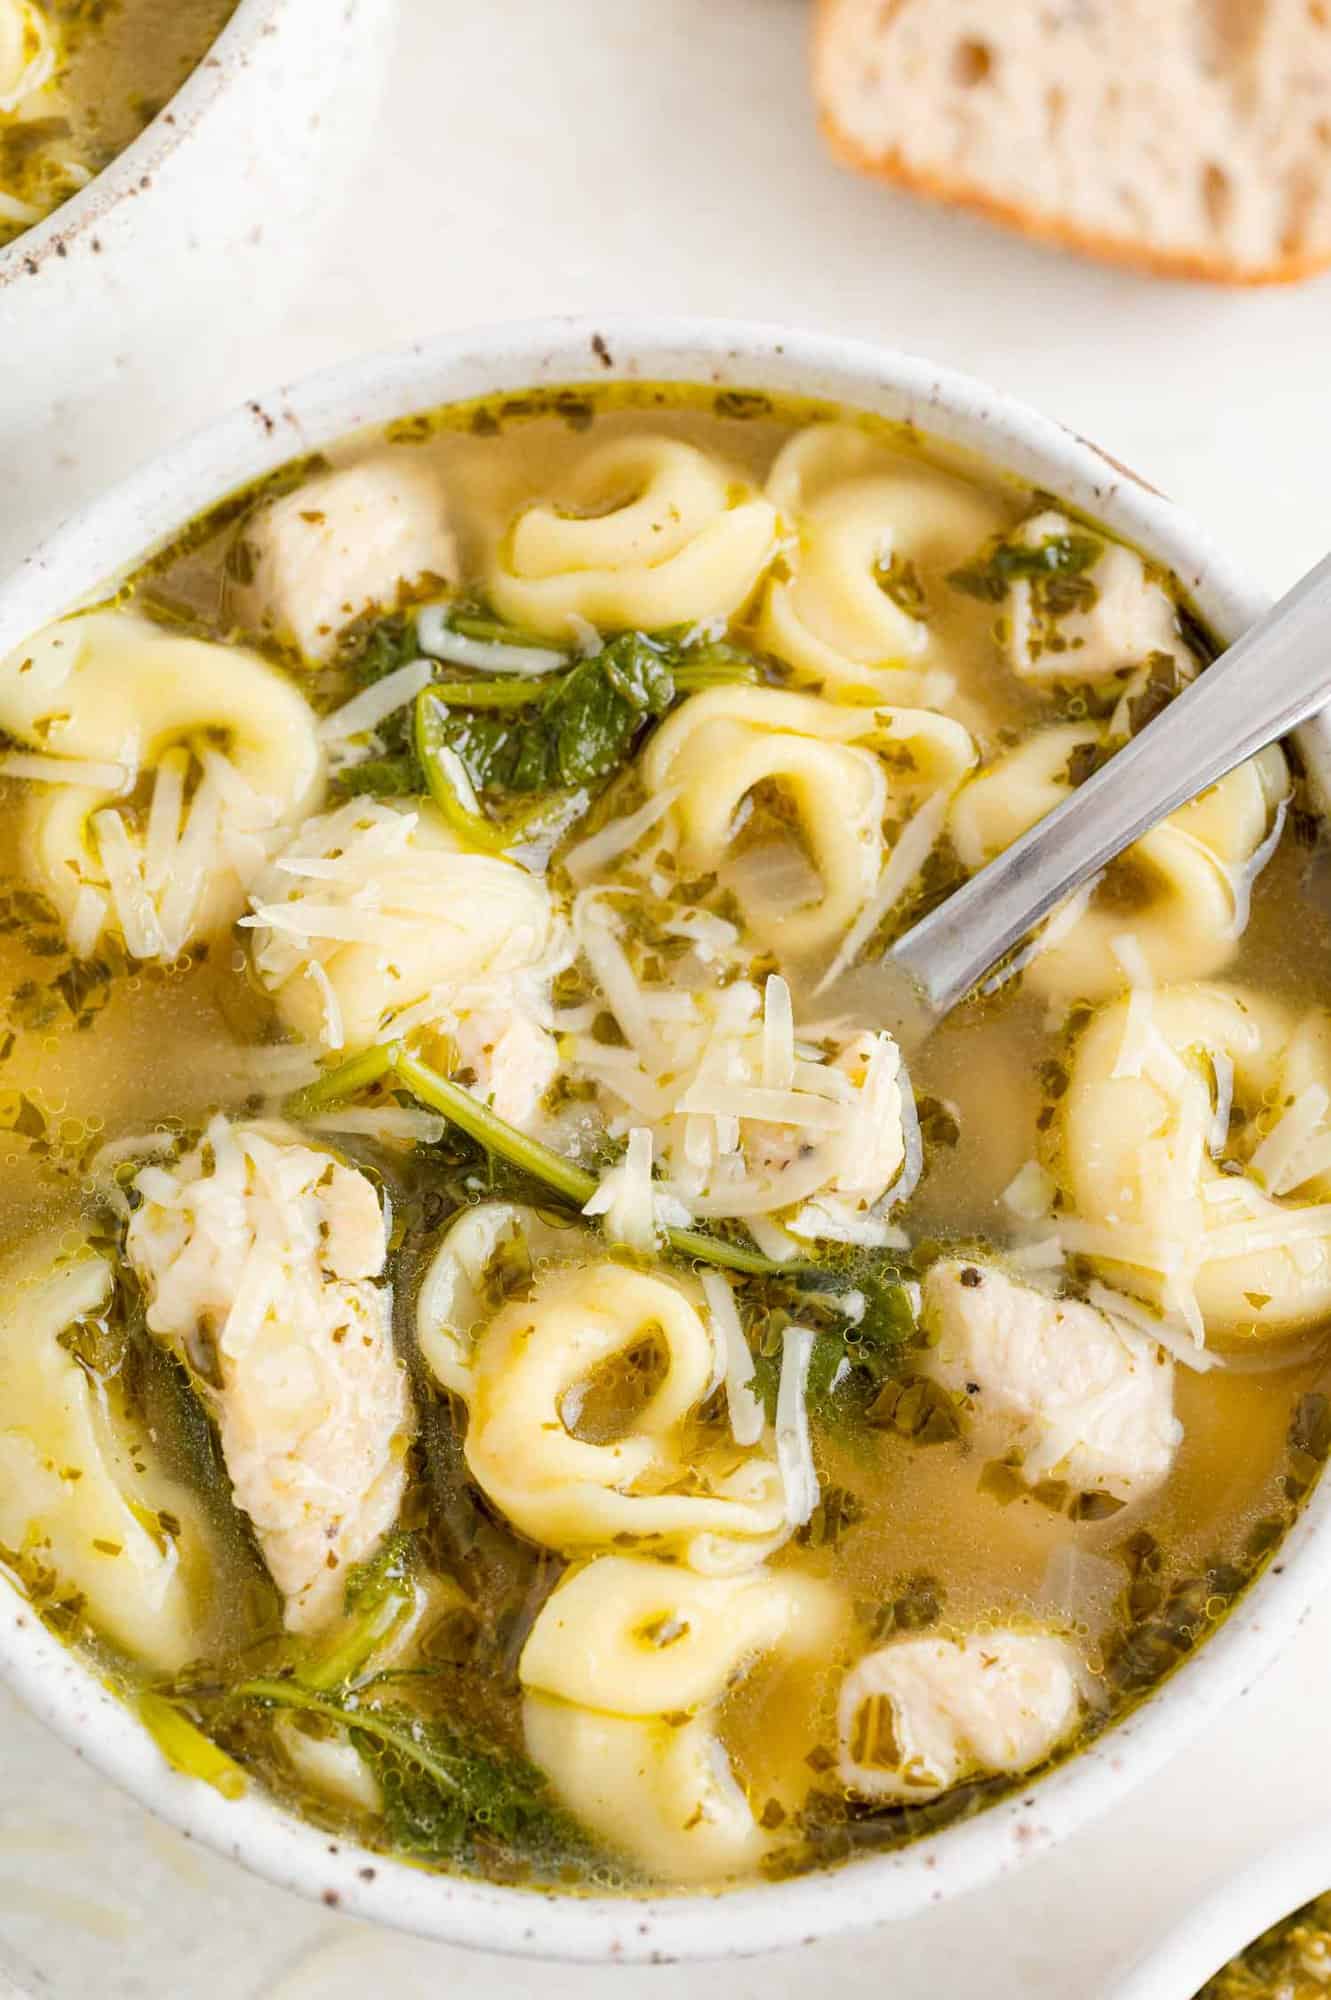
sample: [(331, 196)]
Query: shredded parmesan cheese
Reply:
[(95, 777), (87, 920), (1278, 1161), (1030, 1194), (163, 835), (133, 905), (332, 1035), (778, 1035), (589, 856), (373, 705), (191, 867), (1241, 880), (1222, 1069), (393, 1124), (1127, 949), (909, 855), (1177, 1340), (435, 637), (747, 1421), (794, 1451), (912, 1165), (625, 1196)]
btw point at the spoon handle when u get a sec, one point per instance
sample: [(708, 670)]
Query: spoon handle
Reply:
[(1275, 676)]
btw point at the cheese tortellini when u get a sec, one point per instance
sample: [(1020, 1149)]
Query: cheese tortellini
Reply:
[(646, 532), (1215, 1214), (851, 613), (584, 1402), (1063, 1390), (167, 769), (1181, 891), (83, 1498), (625, 1674), (27, 60), (260, 1258), (786, 797), (376, 920), (491, 1249)]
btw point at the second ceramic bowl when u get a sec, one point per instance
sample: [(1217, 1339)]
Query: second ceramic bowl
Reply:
[(142, 291)]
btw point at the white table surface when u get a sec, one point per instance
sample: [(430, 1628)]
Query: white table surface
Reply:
[(549, 155)]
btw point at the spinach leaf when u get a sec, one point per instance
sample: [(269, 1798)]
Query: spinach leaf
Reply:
[(565, 731), (1003, 563), (390, 643), (578, 729), (387, 644), (446, 1798), (370, 1584), (1163, 680), (397, 777), (443, 1797), (853, 1362), (380, 1597), (596, 715)]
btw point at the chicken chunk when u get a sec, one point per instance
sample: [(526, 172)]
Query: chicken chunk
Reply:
[(353, 541), (923, 1714), (874, 1153), (1091, 624), (513, 1061), (1073, 1392), (259, 1257)]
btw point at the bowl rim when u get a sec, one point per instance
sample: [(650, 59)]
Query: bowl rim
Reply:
[(1230, 1917), (131, 172), (128, 524)]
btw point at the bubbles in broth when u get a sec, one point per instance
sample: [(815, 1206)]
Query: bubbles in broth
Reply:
[(492, 1357)]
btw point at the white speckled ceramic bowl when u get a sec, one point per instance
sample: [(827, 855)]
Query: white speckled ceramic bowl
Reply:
[(1225, 1922), (196, 235), (146, 511)]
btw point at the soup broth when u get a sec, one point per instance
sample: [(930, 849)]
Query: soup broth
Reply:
[(79, 81), (498, 1354)]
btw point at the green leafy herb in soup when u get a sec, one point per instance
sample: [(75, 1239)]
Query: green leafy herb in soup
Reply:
[(493, 1352), (79, 80), (1291, 1961)]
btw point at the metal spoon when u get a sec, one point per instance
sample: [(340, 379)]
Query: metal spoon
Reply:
[(1274, 677)]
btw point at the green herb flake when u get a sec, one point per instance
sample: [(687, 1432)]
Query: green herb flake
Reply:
[(899, 579), (446, 1798), (1005, 562)]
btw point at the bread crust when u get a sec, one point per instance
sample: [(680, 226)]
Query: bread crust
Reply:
[(1042, 226)]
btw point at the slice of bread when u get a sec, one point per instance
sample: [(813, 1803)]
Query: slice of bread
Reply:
[(1191, 136)]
